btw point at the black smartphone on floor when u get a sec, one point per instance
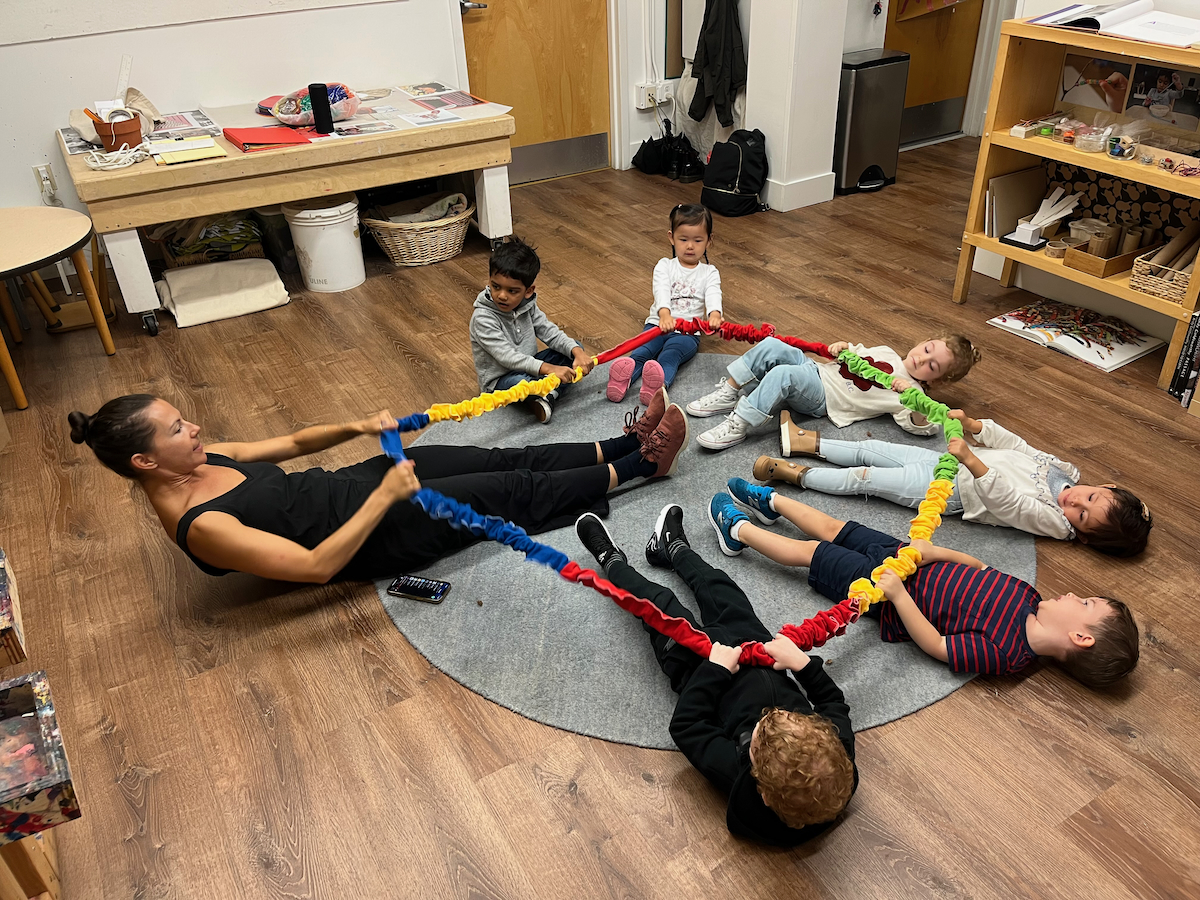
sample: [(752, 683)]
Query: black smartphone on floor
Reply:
[(427, 590)]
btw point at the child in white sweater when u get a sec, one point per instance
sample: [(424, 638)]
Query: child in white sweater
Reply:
[(685, 287), (778, 375), (1003, 481)]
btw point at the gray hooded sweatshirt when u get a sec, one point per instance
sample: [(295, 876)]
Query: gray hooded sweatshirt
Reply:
[(504, 342)]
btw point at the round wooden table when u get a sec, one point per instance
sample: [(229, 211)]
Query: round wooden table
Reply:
[(32, 237)]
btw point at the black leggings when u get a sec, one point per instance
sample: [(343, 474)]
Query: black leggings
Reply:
[(728, 616), (539, 488)]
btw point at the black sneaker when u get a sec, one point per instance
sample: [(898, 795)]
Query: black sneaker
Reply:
[(668, 531), (595, 537)]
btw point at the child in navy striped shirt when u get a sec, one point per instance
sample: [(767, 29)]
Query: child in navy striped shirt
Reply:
[(957, 610)]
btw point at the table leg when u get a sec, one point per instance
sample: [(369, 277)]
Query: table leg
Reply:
[(93, 301), (10, 314), (100, 277), (9, 371), (492, 207), (133, 275), (54, 305), (52, 320)]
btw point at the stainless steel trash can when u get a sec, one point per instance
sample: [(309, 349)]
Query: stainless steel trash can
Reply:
[(866, 143)]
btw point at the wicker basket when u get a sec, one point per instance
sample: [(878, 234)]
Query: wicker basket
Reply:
[(1153, 279), (421, 243), (250, 251)]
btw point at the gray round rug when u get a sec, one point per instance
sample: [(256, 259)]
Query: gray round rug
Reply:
[(561, 654)]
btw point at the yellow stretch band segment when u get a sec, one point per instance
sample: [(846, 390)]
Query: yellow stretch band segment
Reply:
[(477, 406)]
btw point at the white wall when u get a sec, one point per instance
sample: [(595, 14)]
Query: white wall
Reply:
[(43, 20), (216, 63), (792, 95), (864, 29)]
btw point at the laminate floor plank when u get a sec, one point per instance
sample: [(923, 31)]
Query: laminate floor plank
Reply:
[(231, 737)]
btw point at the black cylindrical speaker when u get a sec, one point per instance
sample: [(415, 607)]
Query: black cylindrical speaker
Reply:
[(318, 95)]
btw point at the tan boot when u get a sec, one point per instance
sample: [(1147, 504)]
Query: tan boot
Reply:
[(768, 468), (798, 441)]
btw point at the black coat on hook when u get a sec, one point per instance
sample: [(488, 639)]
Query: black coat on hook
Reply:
[(719, 64)]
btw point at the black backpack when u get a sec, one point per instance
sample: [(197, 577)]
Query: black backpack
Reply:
[(735, 174)]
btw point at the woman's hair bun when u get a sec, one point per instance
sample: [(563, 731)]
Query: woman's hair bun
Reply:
[(79, 426)]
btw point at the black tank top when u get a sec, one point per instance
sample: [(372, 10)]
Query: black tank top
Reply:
[(305, 507)]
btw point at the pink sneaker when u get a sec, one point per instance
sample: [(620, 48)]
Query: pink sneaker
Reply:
[(652, 380), (619, 375)]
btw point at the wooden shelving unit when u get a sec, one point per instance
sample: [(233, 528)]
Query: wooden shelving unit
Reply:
[(1025, 84)]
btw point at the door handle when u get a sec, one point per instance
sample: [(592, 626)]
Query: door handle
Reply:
[(464, 6)]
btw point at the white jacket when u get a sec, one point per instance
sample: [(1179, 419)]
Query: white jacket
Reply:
[(852, 399), (1014, 492)]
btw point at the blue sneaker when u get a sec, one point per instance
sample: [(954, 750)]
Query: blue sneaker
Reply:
[(756, 498), (724, 515)]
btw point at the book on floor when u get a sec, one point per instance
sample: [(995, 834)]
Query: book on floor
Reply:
[(1101, 341)]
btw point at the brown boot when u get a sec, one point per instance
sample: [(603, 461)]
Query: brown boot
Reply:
[(643, 427), (667, 441), (768, 468), (798, 441)]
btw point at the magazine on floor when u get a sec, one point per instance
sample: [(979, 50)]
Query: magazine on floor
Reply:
[(1101, 341)]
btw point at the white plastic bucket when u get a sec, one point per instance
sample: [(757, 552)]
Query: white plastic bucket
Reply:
[(325, 232)]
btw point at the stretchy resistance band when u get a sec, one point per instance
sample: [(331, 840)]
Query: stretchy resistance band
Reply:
[(810, 633)]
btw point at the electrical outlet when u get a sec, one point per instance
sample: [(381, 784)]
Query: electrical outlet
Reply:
[(664, 91), (42, 174), (644, 96)]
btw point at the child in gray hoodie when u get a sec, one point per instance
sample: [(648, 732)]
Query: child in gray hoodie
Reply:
[(507, 325)]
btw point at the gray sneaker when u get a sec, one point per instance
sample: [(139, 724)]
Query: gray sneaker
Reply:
[(730, 432), (722, 400)]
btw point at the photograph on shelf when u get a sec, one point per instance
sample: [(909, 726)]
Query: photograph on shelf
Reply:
[(1094, 83), (1165, 96)]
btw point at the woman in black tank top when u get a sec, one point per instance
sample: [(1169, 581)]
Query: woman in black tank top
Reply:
[(230, 508)]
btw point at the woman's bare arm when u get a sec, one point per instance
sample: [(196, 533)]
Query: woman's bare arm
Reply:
[(221, 540), (304, 441)]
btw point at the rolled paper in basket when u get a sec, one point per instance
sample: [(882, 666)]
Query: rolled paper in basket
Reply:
[(1186, 259), (1176, 246), (1057, 249), (1133, 239)]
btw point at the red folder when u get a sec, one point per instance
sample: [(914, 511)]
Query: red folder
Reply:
[(263, 138)]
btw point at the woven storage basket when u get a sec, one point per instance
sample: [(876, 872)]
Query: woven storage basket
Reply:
[(250, 251), (1152, 279), (421, 243)]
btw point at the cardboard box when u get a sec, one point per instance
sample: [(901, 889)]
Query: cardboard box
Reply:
[(36, 792), (12, 634)]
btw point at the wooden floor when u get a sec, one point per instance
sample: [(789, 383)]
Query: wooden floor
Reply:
[(231, 738)]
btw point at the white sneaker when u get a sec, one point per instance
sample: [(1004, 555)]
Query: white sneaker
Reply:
[(722, 400), (730, 432)]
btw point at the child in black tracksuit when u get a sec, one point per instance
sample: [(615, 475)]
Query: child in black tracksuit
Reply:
[(782, 749)]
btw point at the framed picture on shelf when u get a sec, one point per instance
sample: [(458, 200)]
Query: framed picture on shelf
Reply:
[(1165, 96), (1094, 83)]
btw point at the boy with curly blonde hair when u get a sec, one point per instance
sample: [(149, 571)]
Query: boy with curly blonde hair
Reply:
[(781, 747)]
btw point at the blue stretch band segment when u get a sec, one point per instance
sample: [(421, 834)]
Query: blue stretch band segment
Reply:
[(460, 515)]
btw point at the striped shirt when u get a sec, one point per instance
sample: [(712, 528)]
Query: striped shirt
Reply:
[(981, 613)]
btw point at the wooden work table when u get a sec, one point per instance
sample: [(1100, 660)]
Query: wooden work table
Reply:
[(122, 200)]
